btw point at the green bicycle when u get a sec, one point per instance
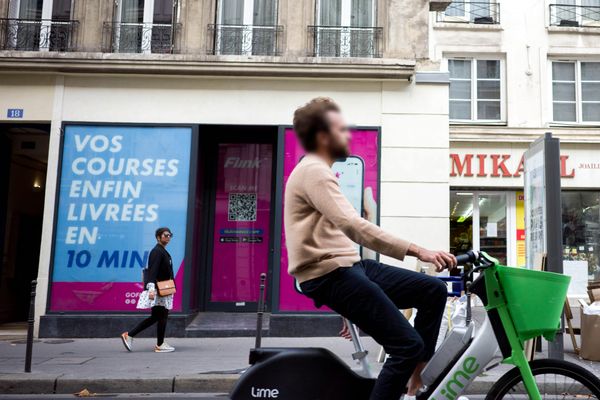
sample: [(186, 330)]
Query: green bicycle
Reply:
[(521, 304)]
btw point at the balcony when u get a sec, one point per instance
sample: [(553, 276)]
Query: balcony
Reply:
[(245, 40), (37, 35), (132, 37), (345, 41), (471, 12), (567, 15)]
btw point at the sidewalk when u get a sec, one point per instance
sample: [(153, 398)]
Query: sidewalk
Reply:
[(198, 366)]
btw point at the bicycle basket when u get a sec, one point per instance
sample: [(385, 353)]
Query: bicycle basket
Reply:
[(535, 300)]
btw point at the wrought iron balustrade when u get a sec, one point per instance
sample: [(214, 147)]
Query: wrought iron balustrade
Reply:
[(345, 41), (133, 37), (256, 40), (471, 12), (570, 15), (37, 35)]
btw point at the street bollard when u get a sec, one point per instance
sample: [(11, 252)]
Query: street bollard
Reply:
[(260, 312), (30, 322)]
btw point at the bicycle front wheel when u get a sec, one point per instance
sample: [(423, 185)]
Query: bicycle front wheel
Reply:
[(556, 379)]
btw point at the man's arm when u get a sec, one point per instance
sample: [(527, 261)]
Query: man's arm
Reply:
[(324, 193)]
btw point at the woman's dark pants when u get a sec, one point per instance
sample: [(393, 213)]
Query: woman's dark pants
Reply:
[(159, 316)]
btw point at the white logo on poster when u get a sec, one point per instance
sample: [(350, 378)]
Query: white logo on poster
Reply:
[(236, 162)]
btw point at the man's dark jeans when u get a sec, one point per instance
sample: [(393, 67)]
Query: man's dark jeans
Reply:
[(370, 295)]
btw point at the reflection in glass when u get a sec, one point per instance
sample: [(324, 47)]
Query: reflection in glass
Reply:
[(492, 225)]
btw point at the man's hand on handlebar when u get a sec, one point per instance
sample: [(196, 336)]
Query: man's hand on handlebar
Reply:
[(440, 259)]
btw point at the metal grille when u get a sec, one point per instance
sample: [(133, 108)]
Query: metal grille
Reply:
[(471, 12), (133, 37), (574, 16), (37, 35), (256, 40), (345, 41)]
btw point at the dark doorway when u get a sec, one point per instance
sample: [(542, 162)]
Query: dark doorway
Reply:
[(239, 166), (23, 165)]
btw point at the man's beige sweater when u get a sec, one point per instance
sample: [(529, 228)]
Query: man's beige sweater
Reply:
[(321, 224)]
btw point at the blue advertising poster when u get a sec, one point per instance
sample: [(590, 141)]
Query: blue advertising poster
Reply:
[(118, 184)]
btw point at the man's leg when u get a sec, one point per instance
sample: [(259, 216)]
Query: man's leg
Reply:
[(349, 292), (410, 289)]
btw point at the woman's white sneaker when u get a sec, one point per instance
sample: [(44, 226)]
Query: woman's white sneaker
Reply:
[(127, 340), (164, 348)]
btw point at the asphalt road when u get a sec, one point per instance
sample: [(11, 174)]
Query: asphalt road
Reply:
[(148, 396), (152, 396)]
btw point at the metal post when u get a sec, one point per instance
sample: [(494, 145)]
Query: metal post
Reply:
[(554, 241), (30, 323), (261, 307)]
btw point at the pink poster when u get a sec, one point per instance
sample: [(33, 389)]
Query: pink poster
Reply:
[(360, 172), (242, 220)]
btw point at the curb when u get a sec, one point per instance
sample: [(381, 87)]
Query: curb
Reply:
[(198, 383), (58, 384)]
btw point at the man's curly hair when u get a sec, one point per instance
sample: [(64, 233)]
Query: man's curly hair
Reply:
[(311, 118)]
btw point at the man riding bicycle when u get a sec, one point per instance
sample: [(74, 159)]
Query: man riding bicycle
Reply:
[(321, 226)]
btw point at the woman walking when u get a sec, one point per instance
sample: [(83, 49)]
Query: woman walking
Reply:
[(160, 269)]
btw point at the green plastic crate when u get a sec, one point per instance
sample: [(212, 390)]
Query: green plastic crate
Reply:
[(535, 300)]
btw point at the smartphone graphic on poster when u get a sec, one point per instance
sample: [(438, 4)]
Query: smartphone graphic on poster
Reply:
[(350, 173)]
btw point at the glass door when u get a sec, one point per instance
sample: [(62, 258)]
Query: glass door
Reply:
[(241, 224), (484, 221), (493, 225)]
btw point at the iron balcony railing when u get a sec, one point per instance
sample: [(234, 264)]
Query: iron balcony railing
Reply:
[(37, 35), (574, 16), (133, 37), (471, 12), (345, 41), (251, 40)]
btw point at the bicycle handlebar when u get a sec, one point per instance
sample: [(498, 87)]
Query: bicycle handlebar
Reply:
[(469, 257)]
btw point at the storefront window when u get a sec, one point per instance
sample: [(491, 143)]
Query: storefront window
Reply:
[(492, 225), (581, 233), (478, 220), (461, 222)]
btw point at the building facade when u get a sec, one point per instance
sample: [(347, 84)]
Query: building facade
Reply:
[(518, 70), (131, 115)]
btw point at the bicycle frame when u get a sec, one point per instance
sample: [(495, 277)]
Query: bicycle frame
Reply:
[(496, 333)]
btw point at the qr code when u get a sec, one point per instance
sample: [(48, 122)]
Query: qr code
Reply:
[(242, 207)]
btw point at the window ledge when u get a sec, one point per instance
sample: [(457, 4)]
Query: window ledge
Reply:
[(506, 134), (467, 26), (477, 123), (574, 29), (195, 64)]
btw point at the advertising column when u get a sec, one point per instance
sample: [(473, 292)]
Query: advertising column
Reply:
[(118, 184)]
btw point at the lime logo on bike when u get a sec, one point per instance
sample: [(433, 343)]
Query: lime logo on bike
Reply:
[(264, 393), (460, 378)]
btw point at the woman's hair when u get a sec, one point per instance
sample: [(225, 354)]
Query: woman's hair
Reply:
[(162, 230), (311, 118)]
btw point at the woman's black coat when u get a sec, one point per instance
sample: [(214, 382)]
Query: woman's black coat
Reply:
[(160, 265)]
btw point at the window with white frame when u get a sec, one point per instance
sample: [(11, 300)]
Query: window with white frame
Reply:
[(144, 26), (43, 25), (476, 90), (576, 91), (346, 28), (246, 27), (476, 12), (575, 13)]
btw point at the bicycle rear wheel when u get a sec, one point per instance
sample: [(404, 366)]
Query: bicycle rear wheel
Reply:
[(556, 379)]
